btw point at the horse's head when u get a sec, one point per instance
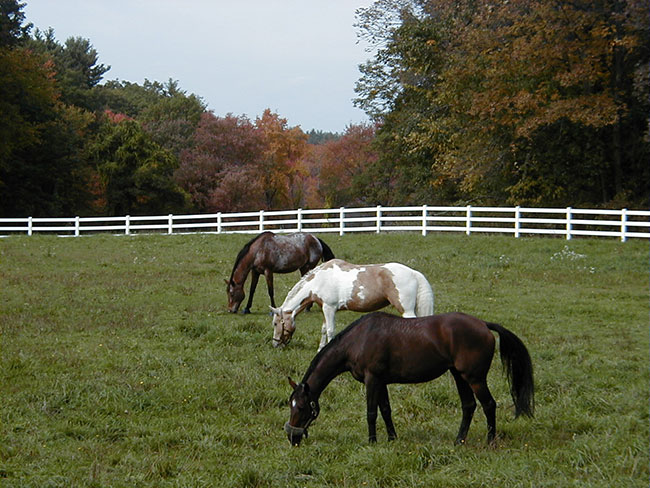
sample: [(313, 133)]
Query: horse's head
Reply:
[(235, 294), (284, 325), (304, 410)]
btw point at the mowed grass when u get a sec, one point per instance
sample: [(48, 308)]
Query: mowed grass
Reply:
[(121, 367)]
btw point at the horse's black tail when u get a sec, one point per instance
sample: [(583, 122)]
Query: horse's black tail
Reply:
[(327, 252), (519, 369)]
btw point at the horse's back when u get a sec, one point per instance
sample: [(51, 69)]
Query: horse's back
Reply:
[(368, 287), (421, 348), (286, 253)]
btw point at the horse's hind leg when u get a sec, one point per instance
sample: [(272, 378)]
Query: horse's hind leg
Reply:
[(255, 276), (404, 302), (468, 404), (484, 396)]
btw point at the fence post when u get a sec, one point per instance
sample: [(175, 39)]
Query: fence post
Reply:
[(30, 226), (127, 225), (219, 223), (76, 226), (517, 221), (378, 219), (261, 220), (569, 226), (424, 220), (170, 224), (299, 218), (624, 225), (468, 226), (341, 220)]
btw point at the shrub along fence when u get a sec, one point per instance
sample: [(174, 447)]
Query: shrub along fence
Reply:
[(518, 221)]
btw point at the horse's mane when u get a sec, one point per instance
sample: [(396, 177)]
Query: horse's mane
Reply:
[(298, 286), (244, 251), (333, 343)]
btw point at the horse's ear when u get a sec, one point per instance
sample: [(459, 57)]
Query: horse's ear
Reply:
[(275, 311), (292, 383), (226, 281)]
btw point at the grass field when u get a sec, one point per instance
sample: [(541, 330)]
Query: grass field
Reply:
[(120, 367)]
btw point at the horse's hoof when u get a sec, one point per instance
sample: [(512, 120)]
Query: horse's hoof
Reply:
[(246, 310)]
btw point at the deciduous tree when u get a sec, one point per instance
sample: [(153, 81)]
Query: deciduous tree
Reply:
[(279, 169), (136, 173), (41, 172), (347, 167), (220, 146), (511, 100)]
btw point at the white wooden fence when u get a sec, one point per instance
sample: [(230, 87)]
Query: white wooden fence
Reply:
[(567, 222)]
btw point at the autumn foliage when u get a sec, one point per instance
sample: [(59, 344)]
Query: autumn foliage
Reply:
[(518, 102)]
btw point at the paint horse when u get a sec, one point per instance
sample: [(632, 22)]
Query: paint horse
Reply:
[(338, 285), (379, 349), (270, 253)]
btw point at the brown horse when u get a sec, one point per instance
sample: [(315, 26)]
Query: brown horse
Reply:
[(380, 348), (270, 253)]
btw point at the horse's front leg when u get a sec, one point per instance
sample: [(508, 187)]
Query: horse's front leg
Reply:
[(323, 337), (371, 411), (384, 408), (255, 276), (268, 274), (377, 396), (327, 331)]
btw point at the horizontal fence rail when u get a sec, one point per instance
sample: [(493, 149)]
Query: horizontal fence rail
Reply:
[(518, 221)]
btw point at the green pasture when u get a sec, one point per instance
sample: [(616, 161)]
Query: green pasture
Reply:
[(120, 367)]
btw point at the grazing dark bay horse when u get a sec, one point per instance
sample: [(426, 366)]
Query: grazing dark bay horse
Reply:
[(380, 348), (270, 253)]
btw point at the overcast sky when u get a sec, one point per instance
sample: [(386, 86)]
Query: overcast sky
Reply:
[(297, 57)]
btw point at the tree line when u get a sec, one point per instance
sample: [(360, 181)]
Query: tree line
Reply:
[(532, 102), (76, 144), (519, 102)]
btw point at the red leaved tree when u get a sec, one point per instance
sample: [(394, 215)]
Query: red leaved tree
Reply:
[(223, 147)]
